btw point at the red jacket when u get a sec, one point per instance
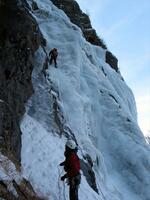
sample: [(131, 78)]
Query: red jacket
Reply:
[(72, 165)]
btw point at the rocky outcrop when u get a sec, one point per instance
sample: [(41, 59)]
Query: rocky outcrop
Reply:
[(73, 11), (8, 3), (112, 60), (19, 39), (23, 191), (87, 168), (13, 186)]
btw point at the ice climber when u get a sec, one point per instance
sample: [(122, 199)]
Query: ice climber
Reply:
[(53, 56), (72, 168)]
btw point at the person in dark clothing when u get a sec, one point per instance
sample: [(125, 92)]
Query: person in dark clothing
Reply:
[(53, 56), (72, 168)]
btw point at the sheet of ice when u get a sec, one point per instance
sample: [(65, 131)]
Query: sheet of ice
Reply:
[(92, 101)]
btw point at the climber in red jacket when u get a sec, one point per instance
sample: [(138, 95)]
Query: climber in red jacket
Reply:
[(72, 168)]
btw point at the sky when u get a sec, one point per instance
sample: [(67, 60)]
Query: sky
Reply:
[(125, 28)]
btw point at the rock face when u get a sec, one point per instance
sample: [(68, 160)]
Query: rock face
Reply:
[(73, 11), (86, 166), (111, 60), (8, 2), (24, 191), (19, 39)]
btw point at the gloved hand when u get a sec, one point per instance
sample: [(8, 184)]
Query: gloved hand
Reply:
[(63, 178)]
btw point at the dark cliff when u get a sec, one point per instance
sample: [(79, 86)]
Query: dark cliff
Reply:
[(73, 11), (19, 39)]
